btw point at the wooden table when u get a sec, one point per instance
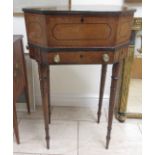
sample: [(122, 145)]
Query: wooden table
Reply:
[(78, 35), (20, 83)]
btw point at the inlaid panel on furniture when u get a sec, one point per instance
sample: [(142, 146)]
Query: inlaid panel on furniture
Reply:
[(76, 30)]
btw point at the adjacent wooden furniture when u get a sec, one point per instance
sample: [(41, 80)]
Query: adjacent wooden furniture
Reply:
[(85, 35), (19, 79), (133, 1), (121, 110)]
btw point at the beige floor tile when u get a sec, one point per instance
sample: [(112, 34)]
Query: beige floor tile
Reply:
[(127, 120), (63, 137), (130, 131), (76, 113), (133, 121), (125, 139), (38, 114)]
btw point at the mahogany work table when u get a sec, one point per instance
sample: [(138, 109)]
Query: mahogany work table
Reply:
[(78, 35)]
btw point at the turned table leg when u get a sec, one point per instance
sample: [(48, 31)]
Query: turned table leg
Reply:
[(102, 85), (49, 106), (114, 81), (44, 83)]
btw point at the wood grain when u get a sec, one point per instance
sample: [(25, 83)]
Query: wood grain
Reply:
[(77, 31), (20, 83), (74, 30)]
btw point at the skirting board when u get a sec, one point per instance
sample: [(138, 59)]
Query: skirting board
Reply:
[(69, 101)]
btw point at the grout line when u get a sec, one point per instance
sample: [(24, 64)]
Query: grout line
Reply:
[(66, 120), (41, 119), (139, 128), (74, 120), (38, 118), (35, 153), (78, 125), (52, 108), (27, 153)]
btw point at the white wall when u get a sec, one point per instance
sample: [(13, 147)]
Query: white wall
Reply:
[(93, 2), (19, 4), (19, 28), (138, 7)]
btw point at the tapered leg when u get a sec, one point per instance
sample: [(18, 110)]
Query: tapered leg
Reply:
[(15, 123), (49, 106), (27, 98), (44, 77), (114, 80), (48, 81), (102, 85)]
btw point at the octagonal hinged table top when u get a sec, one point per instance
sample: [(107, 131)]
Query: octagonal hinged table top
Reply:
[(83, 27)]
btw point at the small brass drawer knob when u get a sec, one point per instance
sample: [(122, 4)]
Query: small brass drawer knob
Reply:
[(106, 57), (57, 58)]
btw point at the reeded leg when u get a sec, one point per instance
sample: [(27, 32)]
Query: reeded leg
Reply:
[(114, 80), (49, 106), (44, 77), (15, 123), (102, 85)]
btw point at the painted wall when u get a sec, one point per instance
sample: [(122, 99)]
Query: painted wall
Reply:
[(71, 85), (93, 2), (138, 7)]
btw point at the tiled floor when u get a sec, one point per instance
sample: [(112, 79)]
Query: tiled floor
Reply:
[(74, 131)]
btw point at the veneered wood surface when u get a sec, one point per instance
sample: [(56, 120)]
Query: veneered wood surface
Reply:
[(18, 68), (81, 57), (78, 30), (19, 80)]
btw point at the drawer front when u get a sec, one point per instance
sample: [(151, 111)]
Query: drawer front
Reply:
[(18, 67), (80, 58), (76, 31)]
